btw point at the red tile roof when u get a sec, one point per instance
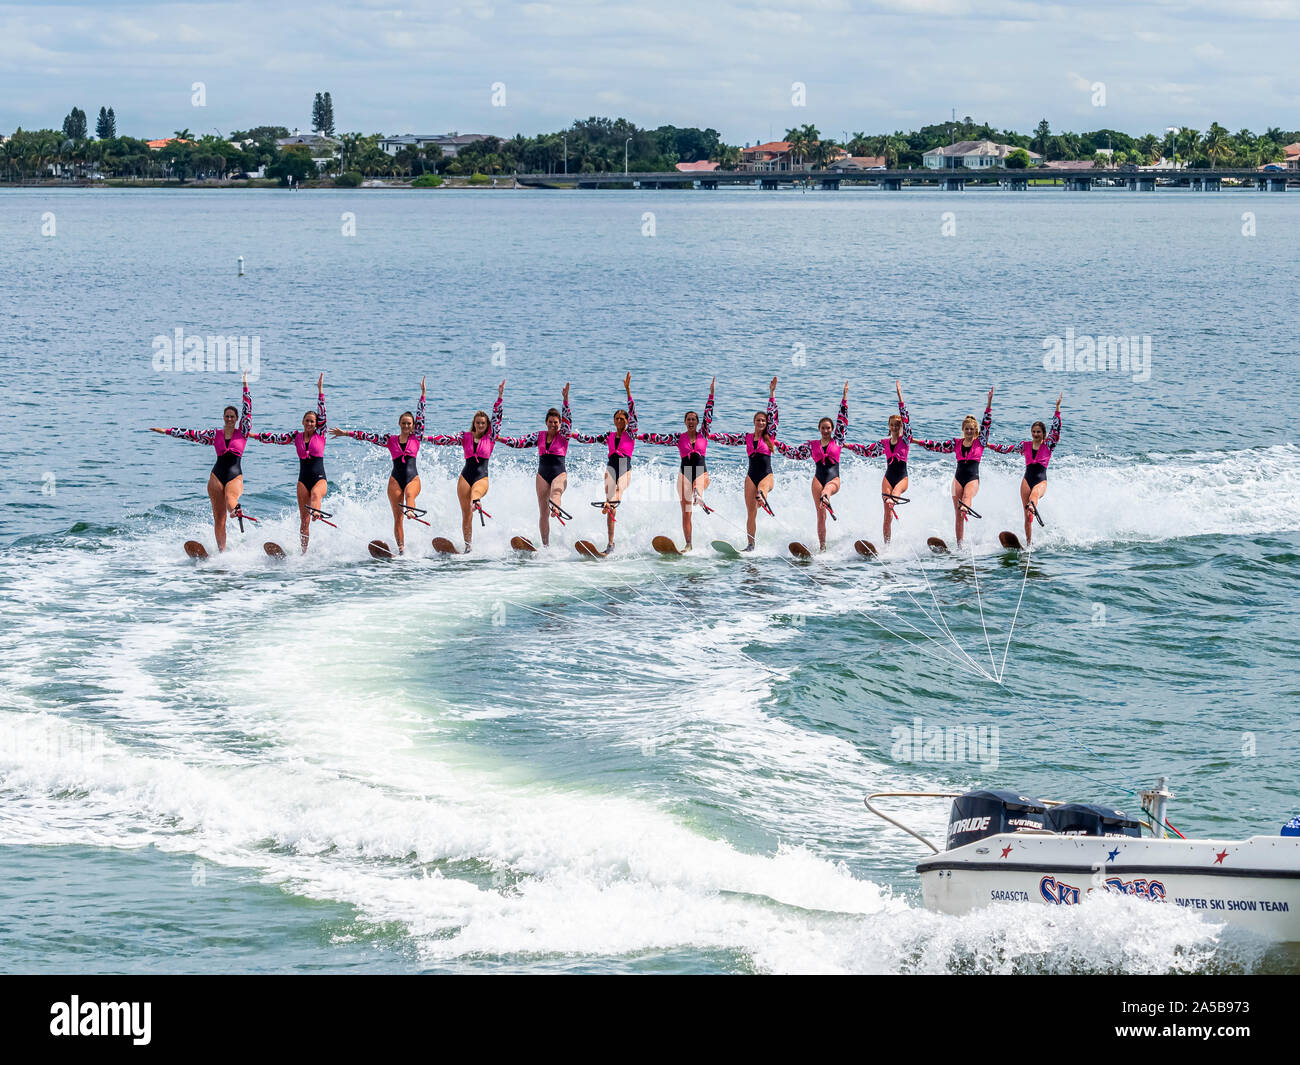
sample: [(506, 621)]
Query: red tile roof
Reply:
[(703, 165)]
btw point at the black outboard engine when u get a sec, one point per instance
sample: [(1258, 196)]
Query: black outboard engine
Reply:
[(986, 813), (1090, 819)]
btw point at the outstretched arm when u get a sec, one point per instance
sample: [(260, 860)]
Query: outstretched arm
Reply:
[(946, 446), (667, 439), (519, 441), (589, 438), (197, 436), (381, 439), (273, 438), (865, 450), (729, 439), (803, 451), (445, 439)]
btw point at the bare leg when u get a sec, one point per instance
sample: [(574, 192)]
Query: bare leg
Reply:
[(685, 495), (966, 497), (395, 501), (613, 493), (818, 491), (1035, 494), (751, 509), (217, 497), (409, 496), (893, 490), (304, 516), (233, 490), (315, 499), (544, 510)]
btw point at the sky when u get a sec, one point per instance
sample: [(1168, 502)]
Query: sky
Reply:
[(490, 66)]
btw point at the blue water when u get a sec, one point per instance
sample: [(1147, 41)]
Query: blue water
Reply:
[(637, 765)]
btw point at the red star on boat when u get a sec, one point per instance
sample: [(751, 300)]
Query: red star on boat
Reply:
[(1218, 858), (1006, 850)]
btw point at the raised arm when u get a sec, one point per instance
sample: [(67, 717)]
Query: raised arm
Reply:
[(773, 415), (246, 413), (1054, 433), (320, 405), (419, 412), (842, 418), (987, 423), (708, 408), (496, 411)]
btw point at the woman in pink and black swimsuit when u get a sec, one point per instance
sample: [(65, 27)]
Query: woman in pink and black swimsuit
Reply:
[(477, 443), (759, 446), (894, 448), (1037, 452), (552, 472), (309, 442), (618, 467), (692, 448), (226, 481), (969, 448)]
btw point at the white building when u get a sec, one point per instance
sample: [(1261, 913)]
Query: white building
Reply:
[(450, 143), (973, 155)]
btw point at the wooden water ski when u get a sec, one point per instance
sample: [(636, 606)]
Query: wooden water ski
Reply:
[(865, 548), (195, 549), (936, 545)]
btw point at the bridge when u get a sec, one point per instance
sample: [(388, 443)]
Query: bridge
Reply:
[(948, 180)]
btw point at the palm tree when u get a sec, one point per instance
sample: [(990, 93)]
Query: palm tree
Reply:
[(184, 134), (1216, 140), (1188, 139), (1147, 148), (798, 145)]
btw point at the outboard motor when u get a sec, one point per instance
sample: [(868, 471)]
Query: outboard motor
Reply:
[(1090, 819), (986, 813)]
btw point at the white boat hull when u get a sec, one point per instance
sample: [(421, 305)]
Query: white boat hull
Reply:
[(1253, 883)]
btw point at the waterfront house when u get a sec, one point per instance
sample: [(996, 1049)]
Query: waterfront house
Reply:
[(321, 147), (1291, 155), (972, 155), (704, 166), (774, 155), (450, 143), (858, 162)]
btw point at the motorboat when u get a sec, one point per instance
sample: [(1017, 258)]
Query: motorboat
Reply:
[(1005, 847)]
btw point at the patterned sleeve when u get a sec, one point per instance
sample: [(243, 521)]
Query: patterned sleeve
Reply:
[(1054, 434), (566, 420), (866, 450), (842, 421), (246, 415), (631, 415), (273, 438), (803, 451), (445, 439), (496, 419), (946, 446), (985, 426), (667, 439), (907, 420), (519, 441), (1006, 449), (320, 414), (198, 436), (730, 439), (708, 413), (419, 417), (587, 438), (773, 415), (371, 438)]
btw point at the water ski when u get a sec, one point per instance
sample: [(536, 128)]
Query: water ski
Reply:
[(379, 549), (588, 550), (1010, 541), (519, 543), (799, 551), (665, 546), (444, 546), (725, 549), (936, 545), (273, 549), (195, 549), (865, 548)]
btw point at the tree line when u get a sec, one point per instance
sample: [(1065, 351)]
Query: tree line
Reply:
[(591, 145)]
